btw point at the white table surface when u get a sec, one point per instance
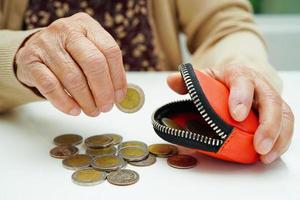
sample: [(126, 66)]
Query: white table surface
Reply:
[(28, 172)]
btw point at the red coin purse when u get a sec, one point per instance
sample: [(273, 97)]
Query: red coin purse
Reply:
[(218, 135)]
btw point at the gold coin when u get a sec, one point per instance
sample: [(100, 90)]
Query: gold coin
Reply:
[(133, 101), (78, 161), (98, 141), (108, 151), (67, 139), (133, 153), (171, 123), (182, 161), (88, 176), (133, 143), (117, 139), (63, 152), (163, 150), (108, 163)]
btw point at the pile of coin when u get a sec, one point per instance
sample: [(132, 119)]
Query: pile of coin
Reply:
[(106, 157)]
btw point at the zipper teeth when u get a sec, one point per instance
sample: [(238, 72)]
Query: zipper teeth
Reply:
[(195, 98), (186, 134)]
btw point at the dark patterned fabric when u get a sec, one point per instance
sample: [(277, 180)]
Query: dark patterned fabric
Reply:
[(126, 20)]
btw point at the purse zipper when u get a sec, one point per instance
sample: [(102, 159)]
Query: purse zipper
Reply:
[(184, 133), (220, 128)]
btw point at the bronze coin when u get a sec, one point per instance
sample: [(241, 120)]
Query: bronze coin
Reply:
[(171, 123), (163, 150), (63, 152), (78, 161), (182, 161), (67, 139), (98, 141)]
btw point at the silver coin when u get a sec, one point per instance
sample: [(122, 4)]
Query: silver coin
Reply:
[(150, 160), (133, 153), (108, 163), (123, 177), (88, 176)]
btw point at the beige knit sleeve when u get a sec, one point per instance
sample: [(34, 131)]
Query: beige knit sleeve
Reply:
[(12, 92), (224, 32)]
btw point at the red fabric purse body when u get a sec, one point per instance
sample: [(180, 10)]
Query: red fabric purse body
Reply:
[(218, 135)]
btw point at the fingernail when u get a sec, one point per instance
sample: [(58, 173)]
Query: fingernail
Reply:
[(119, 95), (75, 111), (270, 157), (265, 146), (240, 112), (107, 107), (95, 113)]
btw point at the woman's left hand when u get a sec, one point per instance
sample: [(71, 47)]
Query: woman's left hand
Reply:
[(248, 89)]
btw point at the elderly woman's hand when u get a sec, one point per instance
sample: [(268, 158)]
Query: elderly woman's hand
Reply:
[(249, 88), (75, 64)]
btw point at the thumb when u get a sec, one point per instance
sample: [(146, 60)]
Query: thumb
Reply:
[(176, 83)]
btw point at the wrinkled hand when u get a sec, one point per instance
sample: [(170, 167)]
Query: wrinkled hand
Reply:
[(75, 64), (250, 89)]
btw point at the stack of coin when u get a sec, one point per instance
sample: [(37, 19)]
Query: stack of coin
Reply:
[(65, 146), (106, 156)]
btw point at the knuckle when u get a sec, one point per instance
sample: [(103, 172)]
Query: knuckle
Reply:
[(95, 65), (58, 25), (72, 37), (81, 15), (113, 51), (75, 80), (272, 97), (287, 113), (47, 84)]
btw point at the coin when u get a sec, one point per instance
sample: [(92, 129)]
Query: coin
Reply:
[(133, 101), (163, 150), (108, 163), (88, 176), (98, 141), (123, 177), (182, 161), (150, 160), (133, 153), (117, 139), (107, 151), (78, 161), (133, 143), (63, 152), (171, 123), (67, 139)]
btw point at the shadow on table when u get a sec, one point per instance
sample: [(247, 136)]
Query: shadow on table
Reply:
[(208, 164)]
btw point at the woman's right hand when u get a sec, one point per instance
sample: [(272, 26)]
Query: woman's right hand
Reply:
[(75, 64)]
